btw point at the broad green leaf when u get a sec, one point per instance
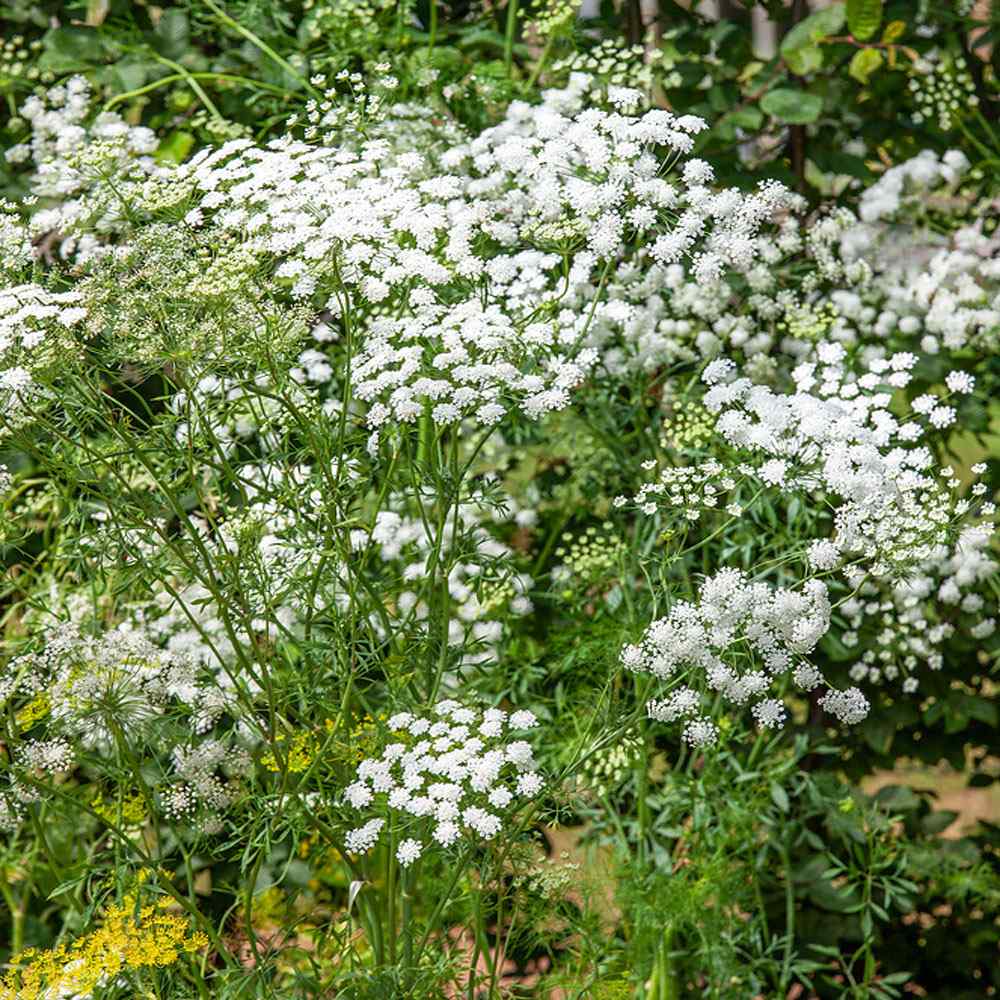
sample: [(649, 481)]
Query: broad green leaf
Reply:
[(864, 17), (814, 28), (898, 798), (804, 60), (779, 796), (69, 49), (864, 63), (173, 32), (935, 822), (125, 75), (893, 30), (795, 107)]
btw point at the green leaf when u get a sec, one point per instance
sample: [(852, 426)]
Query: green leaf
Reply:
[(842, 900), (981, 710), (69, 49), (893, 31), (896, 978), (69, 884), (173, 32), (749, 118), (795, 107), (864, 63), (898, 798), (864, 17), (804, 60), (800, 48), (935, 822), (779, 796), (126, 75)]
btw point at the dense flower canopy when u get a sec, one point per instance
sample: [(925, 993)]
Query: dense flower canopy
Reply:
[(501, 501)]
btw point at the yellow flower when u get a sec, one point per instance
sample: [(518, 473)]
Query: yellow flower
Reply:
[(36, 709), (297, 757), (130, 811), (128, 939)]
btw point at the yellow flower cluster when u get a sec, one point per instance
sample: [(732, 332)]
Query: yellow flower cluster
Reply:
[(555, 16), (298, 755), (588, 556), (689, 425), (128, 939), (36, 709), (361, 741), (130, 811), (809, 322)]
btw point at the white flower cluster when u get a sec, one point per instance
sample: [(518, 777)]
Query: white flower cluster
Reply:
[(455, 773), (837, 433), (912, 183), (16, 252), (656, 314), (411, 237), (456, 361), (50, 756), (88, 694), (115, 683), (206, 781), (941, 298), (74, 153), (685, 490), (36, 333), (939, 291), (735, 642), (906, 625), (580, 170)]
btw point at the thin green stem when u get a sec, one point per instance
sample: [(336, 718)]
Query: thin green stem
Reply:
[(263, 46), (174, 77), (432, 33), (540, 65), (509, 33), (789, 944)]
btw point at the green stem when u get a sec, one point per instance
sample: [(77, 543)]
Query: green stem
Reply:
[(642, 784), (390, 892), (174, 77), (263, 46), (432, 34), (786, 959), (511, 30), (17, 913), (192, 83), (665, 978), (406, 932), (539, 66)]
